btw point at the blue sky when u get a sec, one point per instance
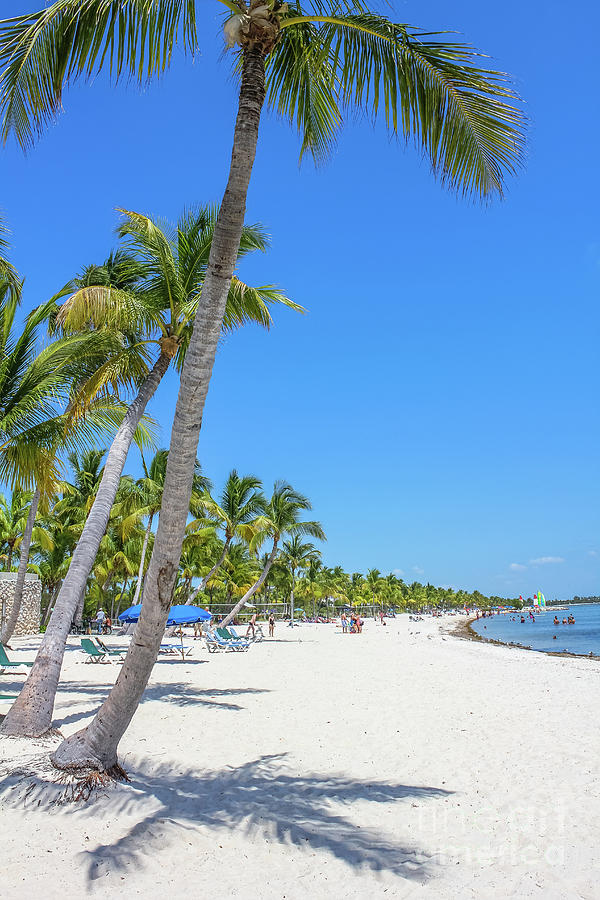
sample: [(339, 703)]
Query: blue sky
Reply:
[(438, 401)]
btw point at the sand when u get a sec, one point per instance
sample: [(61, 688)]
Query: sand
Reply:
[(403, 762)]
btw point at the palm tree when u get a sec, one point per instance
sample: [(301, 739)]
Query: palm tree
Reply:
[(78, 494), (310, 580), (308, 64), (241, 503), (38, 418), (374, 581), (280, 517), (297, 555), (239, 571), (153, 306), (13, 516), (149, 501)]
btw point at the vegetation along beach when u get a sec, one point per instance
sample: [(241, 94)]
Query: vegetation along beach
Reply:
[(297, 317)]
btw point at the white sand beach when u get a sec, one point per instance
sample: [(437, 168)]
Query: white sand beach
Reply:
[(402, 762)]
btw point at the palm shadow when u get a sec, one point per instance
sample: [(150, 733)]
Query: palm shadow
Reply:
[(267, 801), (175, 694)]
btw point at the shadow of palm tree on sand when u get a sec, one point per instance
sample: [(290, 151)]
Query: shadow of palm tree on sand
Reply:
[(268, 802)]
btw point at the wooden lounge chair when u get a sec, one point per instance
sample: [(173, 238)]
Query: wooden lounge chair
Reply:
[(5, 662)]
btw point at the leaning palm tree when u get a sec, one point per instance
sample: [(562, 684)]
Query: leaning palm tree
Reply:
[(160, 276), (309, 63), (240, 504)]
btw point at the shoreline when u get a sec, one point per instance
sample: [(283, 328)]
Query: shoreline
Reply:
[(463, 631)]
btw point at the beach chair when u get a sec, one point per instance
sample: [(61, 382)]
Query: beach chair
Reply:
[(231, 634), (5, 662), (116, 651), (93, 653), (238, 643), (215, 641)]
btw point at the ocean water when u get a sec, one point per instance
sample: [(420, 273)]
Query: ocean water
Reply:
[(583, 637)]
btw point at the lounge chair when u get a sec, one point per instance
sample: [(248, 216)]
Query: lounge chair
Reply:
[(215, 641), (5, 662), (230, 634), (170, 649), (236, 642), (93, 653), (116, 651)]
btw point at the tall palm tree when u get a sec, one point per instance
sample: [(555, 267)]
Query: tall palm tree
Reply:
[(296, 554), (240, 505), (160, 277), (309, 63)]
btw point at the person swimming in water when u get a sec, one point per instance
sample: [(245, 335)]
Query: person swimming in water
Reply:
[(556, 622)]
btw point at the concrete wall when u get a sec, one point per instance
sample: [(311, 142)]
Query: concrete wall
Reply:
[(29, 617)]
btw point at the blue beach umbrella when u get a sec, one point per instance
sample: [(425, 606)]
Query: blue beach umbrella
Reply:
[(178, 615)]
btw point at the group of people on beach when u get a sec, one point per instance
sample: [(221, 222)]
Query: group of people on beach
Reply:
[(352, 624)]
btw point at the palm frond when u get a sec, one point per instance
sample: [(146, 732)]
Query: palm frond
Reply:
[(434, 91), (42, 51)]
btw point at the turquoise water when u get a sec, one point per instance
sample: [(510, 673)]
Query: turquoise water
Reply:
[(583, 637)]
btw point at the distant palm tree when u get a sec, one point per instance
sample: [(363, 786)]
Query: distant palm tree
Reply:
[(296, 554), (310, 581), (280, 517), (38, 419), (149, 501), (240, 504), (374, 581), (13, 517), (239, 571)]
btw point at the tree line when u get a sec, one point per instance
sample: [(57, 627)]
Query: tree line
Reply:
[(223, 557)]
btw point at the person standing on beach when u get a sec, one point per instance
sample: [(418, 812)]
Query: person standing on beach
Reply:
[(271, 625), (344, 621), (251, 626), (100, 620)]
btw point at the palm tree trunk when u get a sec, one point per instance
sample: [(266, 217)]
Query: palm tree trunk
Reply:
[(292, 596), (214, 569), (255, 587), (51, 601), (11, 548), (31, 713), (140, 577), (11, 622), (96, 745)]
